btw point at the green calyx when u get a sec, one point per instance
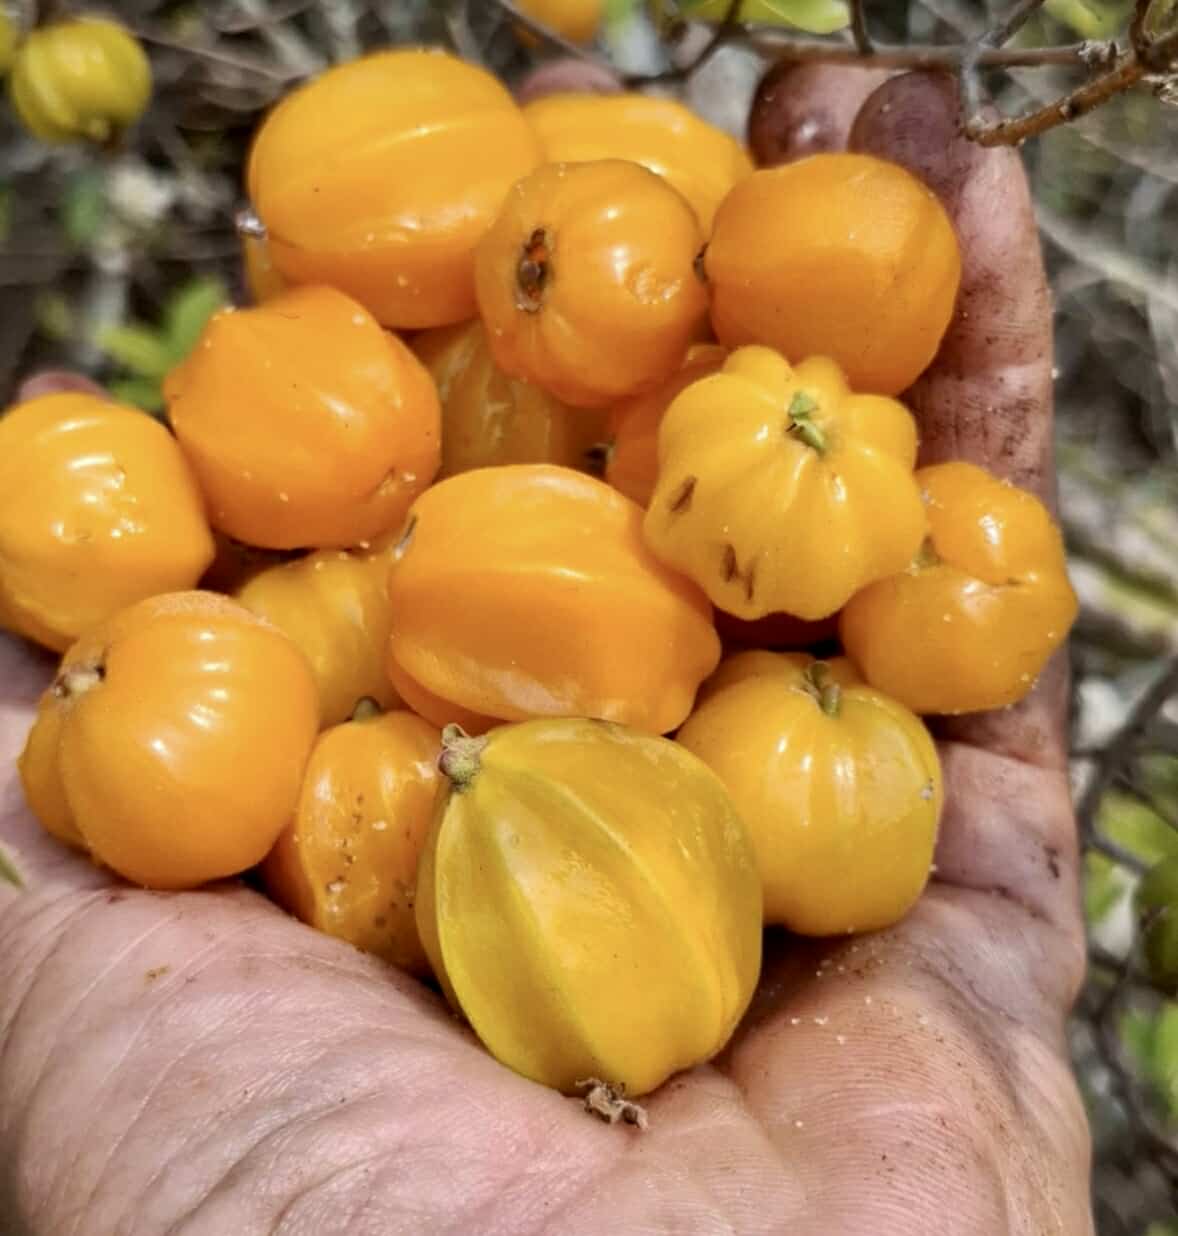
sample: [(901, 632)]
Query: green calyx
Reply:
[(800, 411), (826, 692), (926, 555), (459, 761), (366, 709)]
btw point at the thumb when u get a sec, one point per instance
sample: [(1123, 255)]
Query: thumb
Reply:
[(987, 397)]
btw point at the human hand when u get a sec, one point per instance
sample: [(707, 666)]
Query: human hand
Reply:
[(201, 1065)]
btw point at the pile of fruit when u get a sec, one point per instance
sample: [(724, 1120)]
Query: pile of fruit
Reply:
[(473, 589)]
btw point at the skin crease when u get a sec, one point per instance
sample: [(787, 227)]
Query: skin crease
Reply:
[(198, 1064)]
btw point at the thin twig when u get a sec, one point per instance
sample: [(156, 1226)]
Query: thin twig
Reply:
[(771, 41), (1146, 797), (1128, 71), (1137, 24), (859, 32), (969, 81), (1120, 749), (1102, 959), (1147, 1129), (1119, 855), (729, 28), (245, 64), (1162, 735), (273, 16), (1018, 16), (1112, 260), (457, 22)]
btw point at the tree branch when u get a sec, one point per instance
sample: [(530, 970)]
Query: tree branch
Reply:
[(1146, 797), (773, 42), (1118, 753), (729, 28), (1147, 1129), (1013, 131), (859, 32), (1117, 853)]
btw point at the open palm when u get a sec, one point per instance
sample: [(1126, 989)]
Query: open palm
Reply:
[(200, 1064)]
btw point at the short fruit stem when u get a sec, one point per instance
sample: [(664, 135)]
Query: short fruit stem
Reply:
[(247, 223), (76, 680), (366, 709), (801, 408), (533, 271), (459, 760), (823, 688), (926, 555)]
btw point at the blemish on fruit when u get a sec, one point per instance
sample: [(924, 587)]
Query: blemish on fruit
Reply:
[(681, 499)]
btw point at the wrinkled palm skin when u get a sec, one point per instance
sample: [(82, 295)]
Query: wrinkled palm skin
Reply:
[(198, 1064)]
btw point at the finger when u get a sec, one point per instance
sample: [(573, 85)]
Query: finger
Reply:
[(803, 109), (54, 382), (566, 75), (987, 397)]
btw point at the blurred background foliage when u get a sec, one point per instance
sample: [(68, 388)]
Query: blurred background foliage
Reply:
[(111, 261)]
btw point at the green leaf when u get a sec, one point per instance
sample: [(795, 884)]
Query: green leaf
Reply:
[(1161, 18), (1152, 1040), (1132, 824), (83, 209), (8, 872), (1164, 1062), (187, 312), (618, 12), (137, 348), (55, 318), (1105, 885), (1137, 1034), (145, 393), (1090, 19), (813, 16)]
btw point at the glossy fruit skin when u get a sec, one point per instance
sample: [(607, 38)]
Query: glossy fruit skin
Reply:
[(436, 710), (380, 176), (563, 610), (1157, 904), (841, 794), (771, 485), (83, 78), (158, 711), (576, 20), (40, 778), (972, 621), (587, 282), (98, 509), (761, 663), (701, 161), (262, 278), (307, 425), (489, 418), (590, 901), (839, 255), (334, 604), (346, 863), (632, 459)]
